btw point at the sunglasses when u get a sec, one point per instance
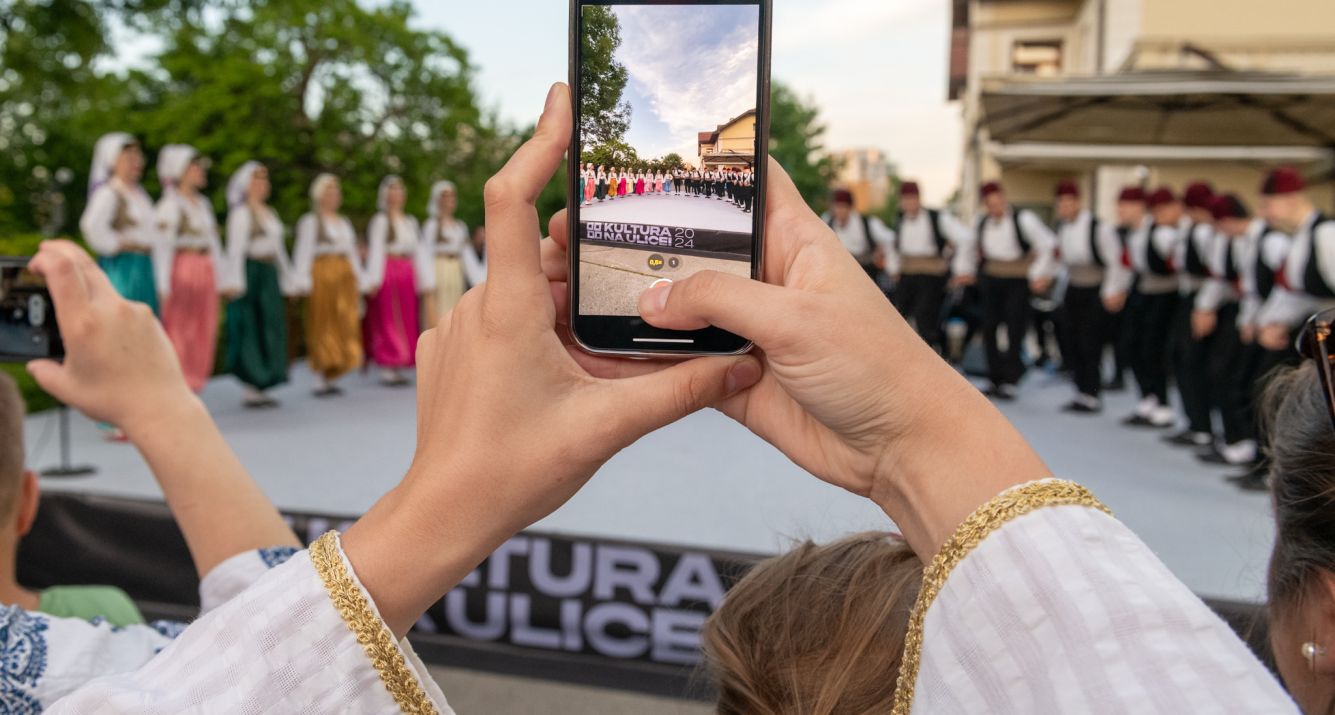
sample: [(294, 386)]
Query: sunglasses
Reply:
[(1314, 343)]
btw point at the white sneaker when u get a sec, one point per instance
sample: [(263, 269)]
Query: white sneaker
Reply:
[(1162, 417)]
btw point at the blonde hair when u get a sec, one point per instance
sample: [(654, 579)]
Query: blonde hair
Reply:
[(816, 631), (322, 182)]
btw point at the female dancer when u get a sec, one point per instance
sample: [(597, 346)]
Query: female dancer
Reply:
[(397, 270), (118, 222), (189, 262), (261, 275), (667, 182), (326, 265), (602, 184), (639, 184), (445, 237), (590, 184), (623, 187)]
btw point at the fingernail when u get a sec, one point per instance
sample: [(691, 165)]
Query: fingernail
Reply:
[(552, 94), (741, 376), (658, 296)]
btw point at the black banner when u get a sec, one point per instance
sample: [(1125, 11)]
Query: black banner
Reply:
[(706, 243), (606, 599)]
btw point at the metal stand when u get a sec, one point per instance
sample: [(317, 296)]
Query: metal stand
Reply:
[(66, 469)]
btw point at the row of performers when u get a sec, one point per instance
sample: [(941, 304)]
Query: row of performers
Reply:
[(1193, 290), (732, 184), (170, 256)]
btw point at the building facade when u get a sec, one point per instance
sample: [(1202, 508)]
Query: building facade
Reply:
[(1111, 92), (868, 174), (732, 145)]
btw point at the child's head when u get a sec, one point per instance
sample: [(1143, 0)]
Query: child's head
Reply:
[(18, 486), (819, 630)]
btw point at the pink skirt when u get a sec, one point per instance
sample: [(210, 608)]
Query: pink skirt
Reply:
[(590, 189), (190, 316), (391, 316)]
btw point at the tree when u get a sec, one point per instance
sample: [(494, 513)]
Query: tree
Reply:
[(611, 153), (604, 115), (796, 143)]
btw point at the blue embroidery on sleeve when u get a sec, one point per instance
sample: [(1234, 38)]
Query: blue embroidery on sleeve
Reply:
[(22, 659), (276, 555), (168, 629)]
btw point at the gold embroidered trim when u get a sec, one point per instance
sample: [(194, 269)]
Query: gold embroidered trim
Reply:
[(1004, 508), (374, 637)]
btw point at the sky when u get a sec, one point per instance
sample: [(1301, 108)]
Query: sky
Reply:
[(875, 68), (690, 69)]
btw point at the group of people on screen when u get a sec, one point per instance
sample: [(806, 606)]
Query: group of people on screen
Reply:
[(367, 298), (734, 184)]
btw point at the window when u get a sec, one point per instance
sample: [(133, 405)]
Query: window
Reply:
[(1037, 57)]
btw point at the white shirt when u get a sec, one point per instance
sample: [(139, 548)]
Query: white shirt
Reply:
[(1293, 304), (407, 243), (1201, 235), (854, 235), (915, 238), (1272, 249), (998, 242), (1163, 240), (185, 224), (447, 239), (97, 222), (1076, 250), (262, 243), (475, 266), (340, 239)]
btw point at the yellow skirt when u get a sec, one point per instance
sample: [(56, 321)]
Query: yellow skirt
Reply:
[(333, 323), (450, 287)]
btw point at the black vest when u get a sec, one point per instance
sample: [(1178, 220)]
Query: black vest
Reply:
[(1314, 283), (1025, 246), (1231, 273), (934, 218), (1195, 263), (1265, 277), (866, 230), (1157, 264)]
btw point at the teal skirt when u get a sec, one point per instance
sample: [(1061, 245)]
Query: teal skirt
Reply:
[(257, 329), (131, 275)]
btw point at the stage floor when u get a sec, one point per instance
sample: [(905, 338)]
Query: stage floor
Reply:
[(705, 482), (671, 210)]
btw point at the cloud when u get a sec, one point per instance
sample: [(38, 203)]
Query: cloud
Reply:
[(697, 67)]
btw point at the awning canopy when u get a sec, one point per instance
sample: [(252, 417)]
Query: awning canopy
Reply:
[(1090, 156), (1184, 109)]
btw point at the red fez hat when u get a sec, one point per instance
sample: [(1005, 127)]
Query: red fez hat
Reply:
[(1067, 188), (1163, 195), (1199, 196), (909, 188), (1228, 206), (1284, 180), (991, 187), (1132, 193), (843, 196)]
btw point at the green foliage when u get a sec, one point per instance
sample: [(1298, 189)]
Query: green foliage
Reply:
[(889, 213), (796, 143), (604, 115)]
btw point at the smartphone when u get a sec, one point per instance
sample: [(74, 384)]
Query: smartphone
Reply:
[(667, 161), (28, 329)]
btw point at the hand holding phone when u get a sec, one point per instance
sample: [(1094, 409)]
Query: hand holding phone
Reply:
[(667, 161), (28, 327)]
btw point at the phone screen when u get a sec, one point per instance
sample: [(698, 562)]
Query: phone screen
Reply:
[(668, 173), (28, 329)]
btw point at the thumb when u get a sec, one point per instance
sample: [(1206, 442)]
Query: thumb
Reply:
[(51, 377), (756, 311), (663, 397)]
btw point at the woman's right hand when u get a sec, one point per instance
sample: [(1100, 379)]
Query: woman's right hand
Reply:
[(850, 393)]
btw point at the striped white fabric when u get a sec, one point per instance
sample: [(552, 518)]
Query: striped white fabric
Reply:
[(1064, 610), (278, 647)]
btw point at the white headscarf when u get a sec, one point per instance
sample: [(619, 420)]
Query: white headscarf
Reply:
[(105, 155), (238, 187), (318, 188), (438, 188), (173, 160), (382, 194)]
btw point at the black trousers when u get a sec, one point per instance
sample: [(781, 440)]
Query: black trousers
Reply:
[(1150, 327), (1005, 303), (1085, 322), (920, 298), (1122, 335), (1231, 371), (1190, 369)]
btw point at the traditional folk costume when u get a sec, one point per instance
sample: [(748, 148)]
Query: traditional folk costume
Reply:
[(445, 237), (1189, 355), (601, 190), (325, 262), (398, 268), (1010, 252), (475, 263), (259, 270), (624, 186), (118, 224), (189, 265), (590, 185), (1152, 252), (1092, 256), (920, 252), (1117, 633), (47, 658)]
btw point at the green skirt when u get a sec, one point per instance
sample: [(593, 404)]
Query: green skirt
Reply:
[(131, 274), (257, 329)]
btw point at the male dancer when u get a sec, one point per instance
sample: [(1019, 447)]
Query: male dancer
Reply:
[(1151, 257), (1190, 364), (918, 260)]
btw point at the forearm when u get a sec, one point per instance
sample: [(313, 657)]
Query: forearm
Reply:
[(219, 508), (957, 454)]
